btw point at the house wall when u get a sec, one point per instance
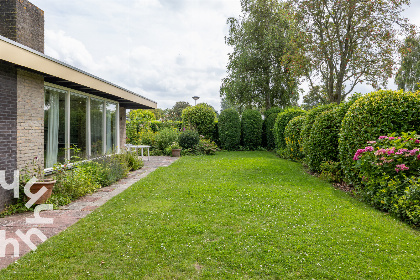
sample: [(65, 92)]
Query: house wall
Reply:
[(8, 118), (30, 118), (22, 22), (123, 135)]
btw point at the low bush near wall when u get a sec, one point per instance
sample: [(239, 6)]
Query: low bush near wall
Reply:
[(389, 172), (293, 138), (281, 122), (188, 139), (372, 115), (229, 129), (251, 126), (165, 137)]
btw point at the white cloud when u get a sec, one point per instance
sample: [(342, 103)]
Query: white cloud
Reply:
[(166, 50)]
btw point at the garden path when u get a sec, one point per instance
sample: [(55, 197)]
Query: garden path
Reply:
[(69, 214)]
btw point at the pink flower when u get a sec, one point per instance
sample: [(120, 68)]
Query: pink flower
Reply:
[(418, 156), (380, 152), (383, 137), (417, 141), (368, 149), (390, 151), (371, 142), (402, 167), (391, 138), (396, 169)]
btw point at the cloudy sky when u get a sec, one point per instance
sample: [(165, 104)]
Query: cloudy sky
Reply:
[(165, 50)]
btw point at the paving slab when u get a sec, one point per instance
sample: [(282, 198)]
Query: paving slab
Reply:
[(66, 215)]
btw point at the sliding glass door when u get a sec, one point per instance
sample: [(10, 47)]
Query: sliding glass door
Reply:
[(96, 126), (54, 127), (78, 126)]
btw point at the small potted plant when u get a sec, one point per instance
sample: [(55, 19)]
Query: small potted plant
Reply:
[(176, 149), (38, 172)]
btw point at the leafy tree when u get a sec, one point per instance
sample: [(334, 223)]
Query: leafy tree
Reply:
[(200, 117), (176, 112), (257, 76), (408, 76), (339, 44), (137, 121), (314, 98), (159, 113)]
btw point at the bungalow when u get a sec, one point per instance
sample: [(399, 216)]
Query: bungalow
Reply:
[(47, 106)]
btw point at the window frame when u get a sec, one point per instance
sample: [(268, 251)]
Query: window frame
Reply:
[(88, 96)]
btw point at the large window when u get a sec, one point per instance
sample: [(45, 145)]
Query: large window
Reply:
[(78, 126), (96, 123), (55, 126), (111, 127)]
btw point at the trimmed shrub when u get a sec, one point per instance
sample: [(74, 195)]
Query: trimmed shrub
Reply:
[(268, 125), (201, 118), (281, 122), (165, 138), (308, 123), (188, 139), (372, 115), (293, 138), (323, 140), (389, 172), (229, 129), (251, 127)]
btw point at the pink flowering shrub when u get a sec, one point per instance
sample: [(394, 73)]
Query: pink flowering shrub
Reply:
[(389, 168)]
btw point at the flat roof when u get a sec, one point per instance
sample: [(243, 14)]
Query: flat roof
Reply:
[(60, 73)]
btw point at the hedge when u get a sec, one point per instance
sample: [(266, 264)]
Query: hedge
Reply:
[(375, 114), (268, 125), (281, 122), (251, 128), (308, 123), (293, 138), (229, 129)]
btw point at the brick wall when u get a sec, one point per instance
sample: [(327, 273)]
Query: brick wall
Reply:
[(22, 22), (30, 118), (8, 117), (122, 127)]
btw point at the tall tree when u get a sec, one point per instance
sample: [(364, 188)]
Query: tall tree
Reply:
[(176, 111), (408, 75), (343, 43), (257, 75)]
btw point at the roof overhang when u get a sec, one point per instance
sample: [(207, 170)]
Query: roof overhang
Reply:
[(60, 73)]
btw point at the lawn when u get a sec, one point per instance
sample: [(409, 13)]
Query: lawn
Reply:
[(236, 215)]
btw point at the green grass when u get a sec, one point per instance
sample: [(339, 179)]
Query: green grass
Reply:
[(238, 215)]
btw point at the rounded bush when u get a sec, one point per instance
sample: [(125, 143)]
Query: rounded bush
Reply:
[(165, 137), (372, 115), (293, 138), (229, 129), (251, 126), (281, 122), (188, 139), (201, 118), (323, 140), (268, 125), (309, 121)]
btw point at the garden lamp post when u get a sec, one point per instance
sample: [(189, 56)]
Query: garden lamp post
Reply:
[(195, 99)]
